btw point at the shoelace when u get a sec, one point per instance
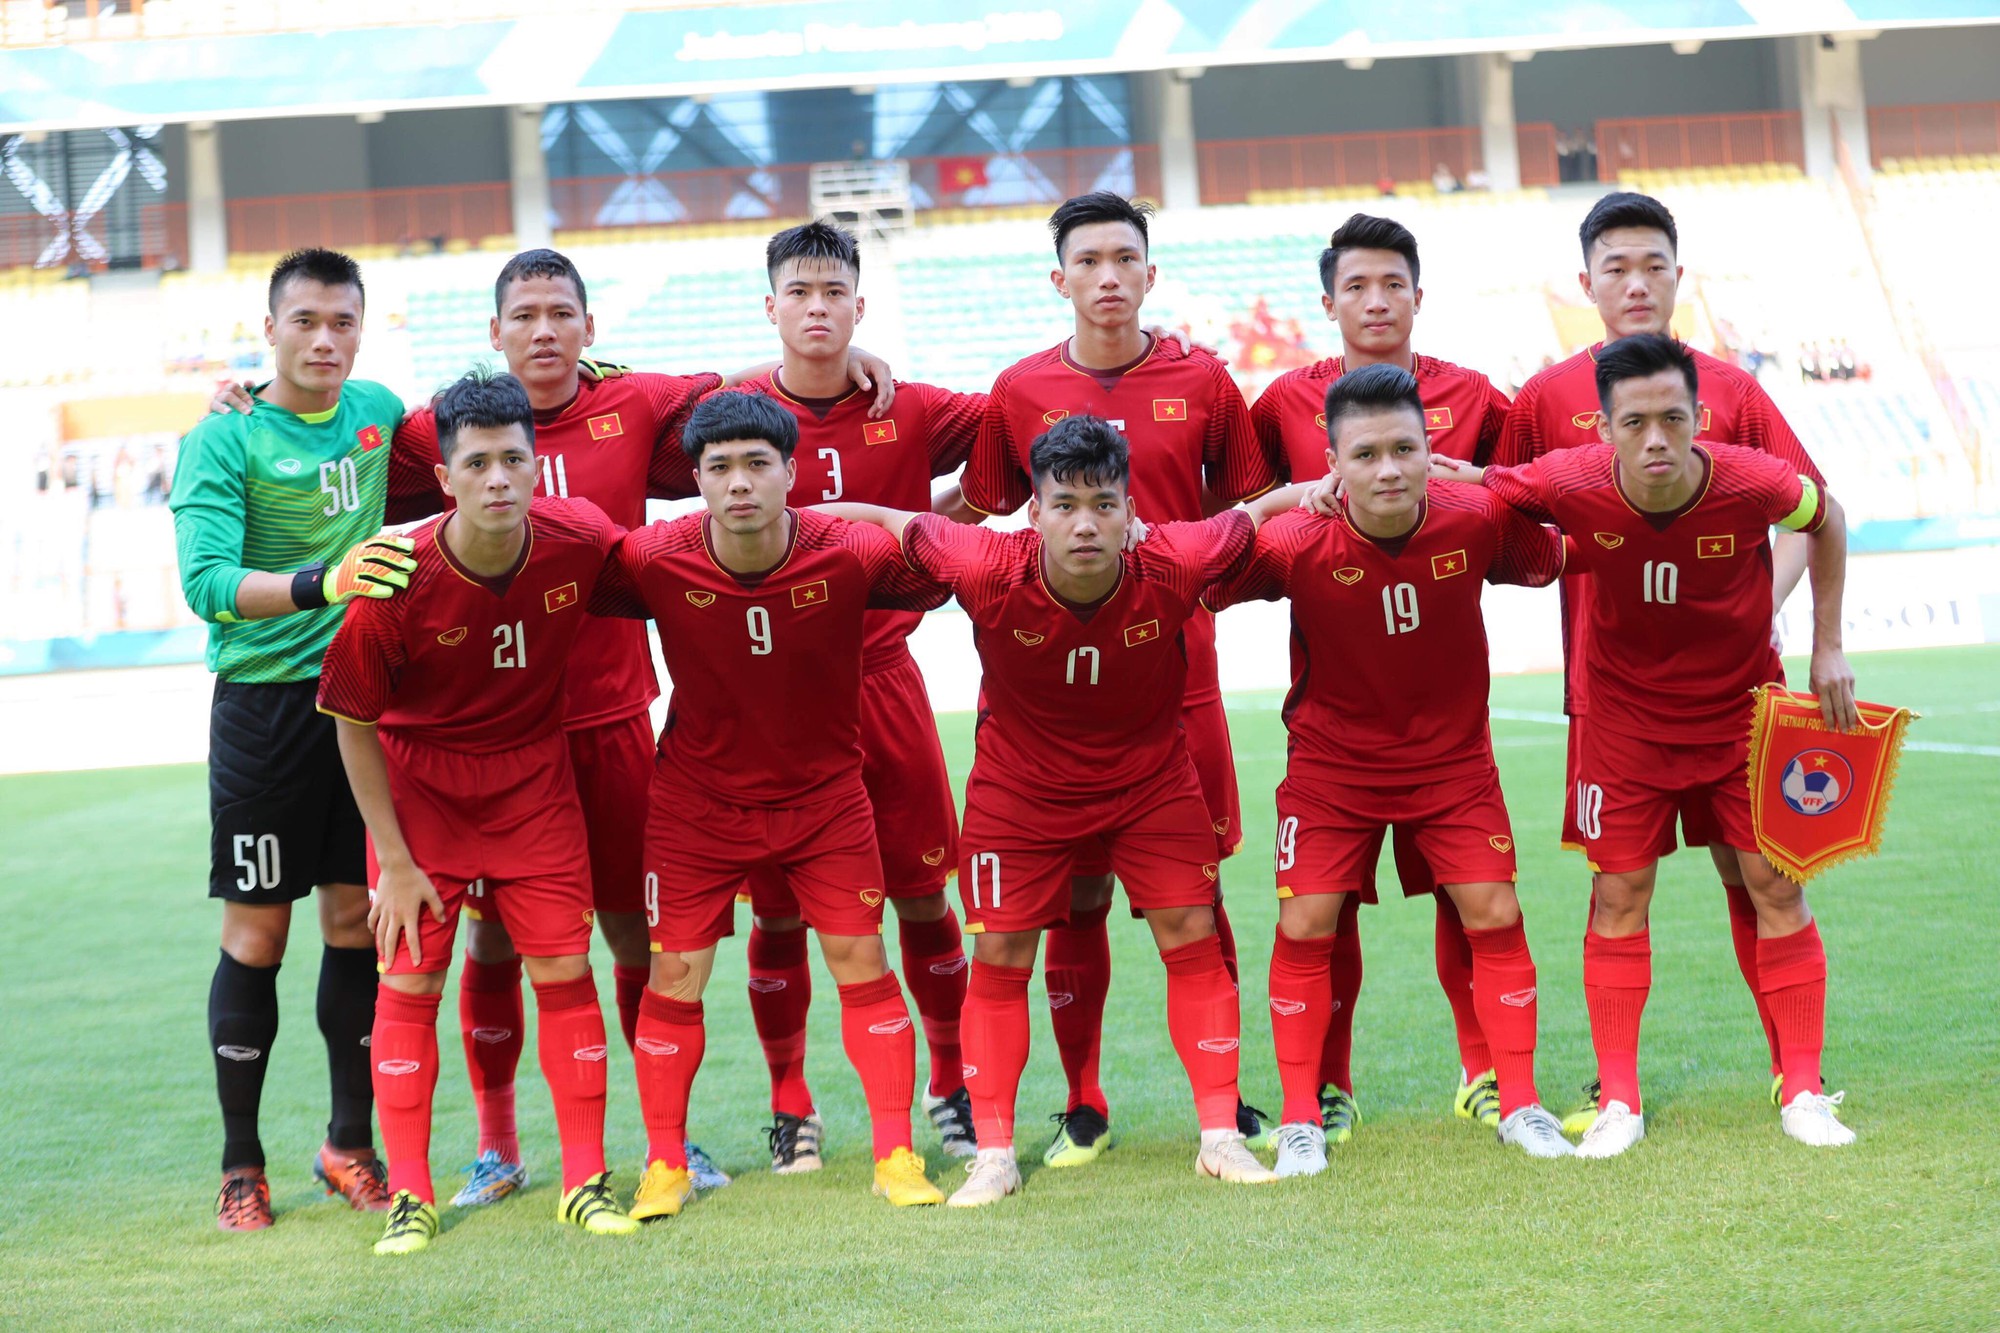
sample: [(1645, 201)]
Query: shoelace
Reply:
[(595, 1198), (373, 1183), (239, 1196), (407, 1215), (1294, 1136), (783, 1137), (1247, 1109), (1593, 1093)]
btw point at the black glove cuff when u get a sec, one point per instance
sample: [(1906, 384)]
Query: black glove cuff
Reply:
[(308, 588)]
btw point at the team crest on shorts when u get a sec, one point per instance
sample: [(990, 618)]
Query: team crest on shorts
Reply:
[(1212, 870), (1028, 637), (589, 918), (1221, 825), (934, 857), (701, 599), (1500, 843), (1610, 541), (871, 897), (451, 638), (1348, 577)]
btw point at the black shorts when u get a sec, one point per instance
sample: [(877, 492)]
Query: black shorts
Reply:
[(283, 816)]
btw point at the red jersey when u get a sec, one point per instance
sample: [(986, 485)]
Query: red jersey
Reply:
[(1389, 661), (1558, 409), (843, 455), (1184, 418), (1106, 681), (616, 443), (467, 663), (1463, 414), (1677, 606), (766, 706)]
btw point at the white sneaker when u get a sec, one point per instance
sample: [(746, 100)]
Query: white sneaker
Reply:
[(1809, 1118), (1301, 1149), (989, 1178), (1535, 1132), (1616, 1128), (1225, 1154)]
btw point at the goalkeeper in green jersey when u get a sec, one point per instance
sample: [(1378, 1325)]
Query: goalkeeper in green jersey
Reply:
[(276, 516)]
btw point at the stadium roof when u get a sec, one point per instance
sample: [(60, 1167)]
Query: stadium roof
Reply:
[(600, 52)]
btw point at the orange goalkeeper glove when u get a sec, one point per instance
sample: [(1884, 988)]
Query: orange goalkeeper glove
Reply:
[(374, 567)]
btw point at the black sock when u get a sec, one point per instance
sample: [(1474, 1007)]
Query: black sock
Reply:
[(242, 1024), (347, 985)]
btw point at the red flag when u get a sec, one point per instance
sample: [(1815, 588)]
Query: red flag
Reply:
[(1818, 797), (960, 173)]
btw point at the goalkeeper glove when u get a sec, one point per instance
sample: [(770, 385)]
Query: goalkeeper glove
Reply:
[(374, 567), (602, 370)]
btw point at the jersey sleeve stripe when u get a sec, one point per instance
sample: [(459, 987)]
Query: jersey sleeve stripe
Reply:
[(334, 712)]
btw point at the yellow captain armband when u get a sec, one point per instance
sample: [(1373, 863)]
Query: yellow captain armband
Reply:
[(1808, 510), (228, 618)]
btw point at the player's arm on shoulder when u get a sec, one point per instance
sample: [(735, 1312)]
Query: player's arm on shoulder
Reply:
[(1267, 424), (414, 489), (617, 592), (1528, 487), (993, 481), (1261, 576), (1515, 446), (1528, 553), (951, 421), (1235, 464), (1492, 423), (891, 521), (894, 583)]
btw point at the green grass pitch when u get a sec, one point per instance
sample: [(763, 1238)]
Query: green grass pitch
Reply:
[(108, 1155)]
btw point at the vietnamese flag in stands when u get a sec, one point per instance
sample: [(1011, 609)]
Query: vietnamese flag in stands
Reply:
[(961, 173)]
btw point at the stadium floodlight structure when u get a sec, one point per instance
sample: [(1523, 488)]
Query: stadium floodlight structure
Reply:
[(870, 197)]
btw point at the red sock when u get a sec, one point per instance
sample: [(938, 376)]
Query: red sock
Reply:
[(490, 1020), (875, 1030), (1077, 973), (1227, 935), (1454, 969), (780, 994), (1792, 970), (1743, 934), (628, 984), (1344, 975), (404, 1046), (569, 1041), (1300, 999), (667, 1051), (1617, 974), (934, 967), (1206, 1027), (1503, 987), (995, 1023)]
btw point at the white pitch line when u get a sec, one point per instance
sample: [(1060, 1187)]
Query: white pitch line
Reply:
[(1945, 747)]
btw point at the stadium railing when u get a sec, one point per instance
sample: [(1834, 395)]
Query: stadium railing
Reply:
[(1655, 143)]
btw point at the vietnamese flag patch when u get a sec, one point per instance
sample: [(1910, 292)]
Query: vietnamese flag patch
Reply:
[(879, 432), (555, 599), (1437, 418), (1446, 565), (1170, 409), (605, 427), (369, 437), (809, 594)]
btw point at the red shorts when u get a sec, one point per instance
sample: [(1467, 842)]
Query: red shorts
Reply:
[(1207, 728), (1330, 834), (902, 766), (1018, 852), (1572, 781), (699, 850), (1629, 792), (500, 835), (614, 764)]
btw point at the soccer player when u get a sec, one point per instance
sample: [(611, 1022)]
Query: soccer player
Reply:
[(1387, 717), (467, 791), (1632, 274), (1085, 659), (273, 516), (845, 452), (1678, 613), (1186, 425), (761, 615), (1370, 286)]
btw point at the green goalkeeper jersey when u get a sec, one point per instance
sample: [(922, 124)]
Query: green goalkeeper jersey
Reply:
[(276, 492)]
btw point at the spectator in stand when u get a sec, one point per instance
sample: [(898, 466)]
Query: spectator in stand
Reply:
[(1442, 180)]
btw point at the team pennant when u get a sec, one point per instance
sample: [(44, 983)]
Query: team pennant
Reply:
[(1818, 797)]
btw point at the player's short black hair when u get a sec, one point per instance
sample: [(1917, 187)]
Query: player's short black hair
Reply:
[(739, 416), (1081, 451), (1640, 356), (538, 264), (819, 240), (1098, 206), (1377, 388), (485, 400), (1622, 208), (1366, 232), (329, 268)]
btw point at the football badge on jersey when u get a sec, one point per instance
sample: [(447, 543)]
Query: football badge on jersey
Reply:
[(605, 427), (555, 599), (879, 432), (1028, 637), (1501, 843), (451, 638), (1138, 634), (1170, 409), (1437, 418), (1587, 420), (1348, 576), (369, 437), (1448, 565), (1715, 548), (1818, 797), (1053, 415), (701, 599), (809, 594), (1610, 541), (1320, 420), (871, 897)]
